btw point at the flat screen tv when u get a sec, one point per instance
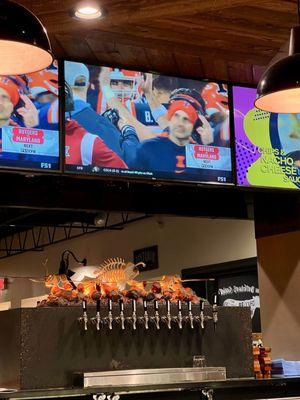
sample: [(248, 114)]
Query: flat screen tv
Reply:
[(29, 111), (134, 124), (267, 145)]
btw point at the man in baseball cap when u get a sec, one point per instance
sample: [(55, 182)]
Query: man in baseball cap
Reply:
[(77, 76)]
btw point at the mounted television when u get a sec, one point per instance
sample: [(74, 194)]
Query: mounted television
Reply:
[(134, 124), (29, 109), (267, 145)]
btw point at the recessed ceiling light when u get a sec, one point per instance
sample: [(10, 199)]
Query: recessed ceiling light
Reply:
[(87, 11)]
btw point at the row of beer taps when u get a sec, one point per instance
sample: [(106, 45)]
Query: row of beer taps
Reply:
[(190, 318)]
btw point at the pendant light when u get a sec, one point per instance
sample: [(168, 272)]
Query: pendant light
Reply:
[(278, 90), (24, 43)]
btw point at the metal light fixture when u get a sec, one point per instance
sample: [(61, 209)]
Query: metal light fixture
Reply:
[(24, 43), (278, 90), (87, 10)]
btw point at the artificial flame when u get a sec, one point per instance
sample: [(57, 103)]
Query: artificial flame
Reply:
[(114, 279)]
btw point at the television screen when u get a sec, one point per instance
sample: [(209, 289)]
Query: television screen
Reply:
[(29, 108), (267, 145), (134, 124)]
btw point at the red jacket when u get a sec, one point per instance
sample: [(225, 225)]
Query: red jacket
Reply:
[(83, 148)]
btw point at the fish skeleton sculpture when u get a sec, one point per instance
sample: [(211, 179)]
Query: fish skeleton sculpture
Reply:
[(112, 270)]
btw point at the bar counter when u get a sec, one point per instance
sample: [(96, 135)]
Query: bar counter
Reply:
[(274, 388)]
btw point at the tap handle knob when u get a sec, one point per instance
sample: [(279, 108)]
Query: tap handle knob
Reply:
[(179, 306), (84, 306), (190, 306), (156, 305), (215, 300), (98, 306), (134, 305), (110, 305), (168, 306), (145, 305), (202, 305), (121, 304)]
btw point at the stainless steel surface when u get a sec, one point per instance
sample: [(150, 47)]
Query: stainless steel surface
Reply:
[(160, 376)]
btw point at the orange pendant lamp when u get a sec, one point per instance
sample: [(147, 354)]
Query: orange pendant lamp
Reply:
[(24, 43)]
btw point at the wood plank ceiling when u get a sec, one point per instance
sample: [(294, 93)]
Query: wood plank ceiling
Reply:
[(225, 39)]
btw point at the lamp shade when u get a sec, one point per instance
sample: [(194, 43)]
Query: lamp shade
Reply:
[(24, 43), (278, 90)]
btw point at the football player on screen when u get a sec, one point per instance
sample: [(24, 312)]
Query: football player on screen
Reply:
[(143, 132)]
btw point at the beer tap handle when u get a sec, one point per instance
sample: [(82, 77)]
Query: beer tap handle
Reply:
[(168, 306), (157, 318), (84, 318), (169, 314), (98, 306), (202, 314), (215, 311), (146, 316), (191, 317), (97, 320), (179, 306), (134, 319), (122, 319), (179, 314), (110, 317)]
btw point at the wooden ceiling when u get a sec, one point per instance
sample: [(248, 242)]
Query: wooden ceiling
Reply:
[(225, 39)]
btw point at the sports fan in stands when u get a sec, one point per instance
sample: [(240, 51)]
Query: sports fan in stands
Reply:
[(15, 109), (43, 90)]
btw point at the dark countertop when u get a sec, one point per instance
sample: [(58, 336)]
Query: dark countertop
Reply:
[(231, 389)]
